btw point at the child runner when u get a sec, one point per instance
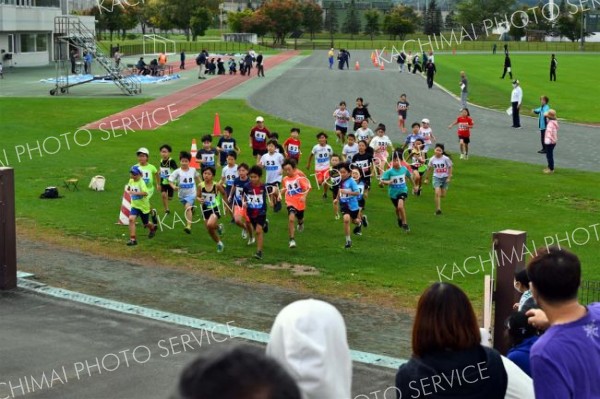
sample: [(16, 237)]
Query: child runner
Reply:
[(206, 156), (236, 198), (167, 166), (411, 138), (398, 190), (185, 180), (255, 201), (550, 139), (402, 108), (272, 162), (140, 205), (361, 198), (364, 132), (150, 176), (360, 113), (348, 199), (465, 124), (441, 165), (417, 160), (291, 146), (364, 161), (322, 153), (258, 138), (380, 144), (333, 179), (427, 133), (296, 188), (350, 149), (278, 147), (342, 116), (228, 175), (226, 144), (208, 195)]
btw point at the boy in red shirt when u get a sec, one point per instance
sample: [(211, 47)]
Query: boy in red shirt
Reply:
[(258, 138), (292, 145), (465, 124)]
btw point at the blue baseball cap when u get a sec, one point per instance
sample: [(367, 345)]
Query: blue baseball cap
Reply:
[(135, 170)]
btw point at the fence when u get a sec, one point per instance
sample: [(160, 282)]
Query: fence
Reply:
[(196, 47), (589, 292)]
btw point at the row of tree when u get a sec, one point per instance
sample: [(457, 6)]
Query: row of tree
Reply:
[(282, 17)]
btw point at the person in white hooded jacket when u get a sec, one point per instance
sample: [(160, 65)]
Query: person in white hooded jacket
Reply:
[(309, 339)]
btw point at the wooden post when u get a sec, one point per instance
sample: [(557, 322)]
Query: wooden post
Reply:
[(8, 234), (509, 248)]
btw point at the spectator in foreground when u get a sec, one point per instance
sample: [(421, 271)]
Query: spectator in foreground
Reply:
[(448, 359), (521, 337), (238, 372), (565, 361), (309, 339)]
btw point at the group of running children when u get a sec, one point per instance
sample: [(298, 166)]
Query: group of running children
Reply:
[(240, 192)]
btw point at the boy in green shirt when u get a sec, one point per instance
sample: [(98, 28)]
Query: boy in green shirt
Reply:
[(149, 175), (140, 205)]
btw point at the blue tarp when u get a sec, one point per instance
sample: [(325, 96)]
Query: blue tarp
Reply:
[(74, 79)]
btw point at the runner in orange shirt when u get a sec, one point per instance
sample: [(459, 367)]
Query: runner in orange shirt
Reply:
[(296, 187)]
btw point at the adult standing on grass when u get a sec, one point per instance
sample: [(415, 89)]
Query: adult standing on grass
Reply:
[(553, 65), (541, 111), (516, 98), (550, 139), (464, 89), (201, 62), (507, 66)]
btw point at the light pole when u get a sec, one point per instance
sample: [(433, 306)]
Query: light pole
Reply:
[(582, 30)]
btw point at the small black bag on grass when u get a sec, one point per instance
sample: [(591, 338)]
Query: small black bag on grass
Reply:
[(50, 193)]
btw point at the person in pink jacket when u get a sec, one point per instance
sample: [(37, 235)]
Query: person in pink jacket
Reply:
[(550, 139)]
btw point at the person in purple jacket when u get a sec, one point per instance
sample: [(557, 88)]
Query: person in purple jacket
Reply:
[(565, 361)]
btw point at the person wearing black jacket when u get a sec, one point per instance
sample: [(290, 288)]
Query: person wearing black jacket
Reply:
[(201, 62), (416, 64), (260, 68), (248, 60), (430, 70), (553, 65), (507, 67), (401, 61)]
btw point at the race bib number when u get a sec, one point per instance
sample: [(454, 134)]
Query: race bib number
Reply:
[(293, 149), (361, 189), (208, 159), (359, 118), (186, 182), (255, 201), (398, 181), (293, 188), (146, 176), (135, 190), (260, 136), (364, 165), (323, 157), (165, 172), (271, 165), (227, 146), (463, 126), (209, 198), (239, 191), (229, 178)]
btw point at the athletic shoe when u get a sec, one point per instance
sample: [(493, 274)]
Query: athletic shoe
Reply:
[(277, 206), (167, 211), (266, 226), (466, 156), (220, 247), (153, 216), (358, 230), (292, 243), (419, 192), (541, 151), (406, 228), (438, 212), (348, 244), (244, 234), (251, 241), (258, 255), (188, 230), (365, 221), (462, 156), (324, 195), (400, 224), (152, 232), (337, 216), (300, 227), (548, 171), (131, 242), (220, 229)]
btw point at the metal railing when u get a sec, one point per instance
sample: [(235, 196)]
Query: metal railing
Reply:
[(589, 292)]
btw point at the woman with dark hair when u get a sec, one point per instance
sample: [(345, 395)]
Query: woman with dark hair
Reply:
[(521, 337), (448, 359), (360, 113)]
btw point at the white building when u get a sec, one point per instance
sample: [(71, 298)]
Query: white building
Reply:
[(26, 28)]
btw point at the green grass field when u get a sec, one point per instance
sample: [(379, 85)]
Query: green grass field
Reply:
[(570, 95), (384, 266)]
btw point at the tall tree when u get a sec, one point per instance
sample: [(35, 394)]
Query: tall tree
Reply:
[(352, 24), (200, 22), (179, 12), (312, 17), (372, 22), (331, 19), (400, 21), (432, 23), (475, 12), (285, 16), (569, 26), (450, 22)]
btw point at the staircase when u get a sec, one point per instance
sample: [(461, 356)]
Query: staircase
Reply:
[(70, 29)]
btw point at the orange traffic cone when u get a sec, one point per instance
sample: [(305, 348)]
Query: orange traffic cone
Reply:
[(357, 66), (372, 56), (193, 162), (125, 209), (381, 67), (217, 126)]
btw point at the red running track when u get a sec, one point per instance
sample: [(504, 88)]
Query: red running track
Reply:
[(159, 112)]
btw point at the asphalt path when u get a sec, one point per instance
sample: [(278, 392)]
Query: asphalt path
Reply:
[(309, 92)]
